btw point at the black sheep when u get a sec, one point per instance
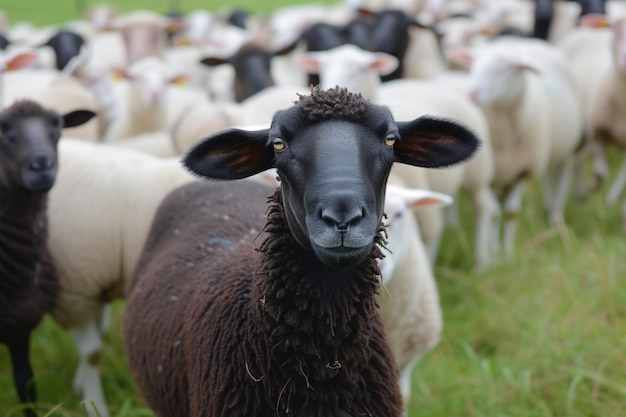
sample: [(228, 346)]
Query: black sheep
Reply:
[(215, 326), (28, 284), (66, 45)]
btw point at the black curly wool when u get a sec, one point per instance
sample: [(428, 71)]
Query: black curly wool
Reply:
[(321, 328), (28, 284), (336, 103)]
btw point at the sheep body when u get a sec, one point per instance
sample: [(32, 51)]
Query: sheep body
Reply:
[(409, 302)]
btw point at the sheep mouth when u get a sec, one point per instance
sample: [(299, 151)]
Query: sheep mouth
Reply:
[(342, 257), (40, 182)]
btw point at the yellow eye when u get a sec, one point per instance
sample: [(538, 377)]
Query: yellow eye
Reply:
[(390, 140), (279, 144)]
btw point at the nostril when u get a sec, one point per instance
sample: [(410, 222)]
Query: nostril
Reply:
[(341, 221), (41, 164)]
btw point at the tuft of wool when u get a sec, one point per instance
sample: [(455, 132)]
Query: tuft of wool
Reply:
[(337, 103)]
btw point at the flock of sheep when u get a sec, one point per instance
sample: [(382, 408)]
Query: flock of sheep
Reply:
[(246, 301)]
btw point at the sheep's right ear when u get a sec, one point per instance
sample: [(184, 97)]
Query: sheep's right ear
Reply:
[(213, 61), (231, 154), (77, 118)]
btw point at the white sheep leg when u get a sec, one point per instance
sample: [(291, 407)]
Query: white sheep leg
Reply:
[(452, 215), (104, 318), (486, 208), (617, 188), (87, 383), (581, 188), (512, 205), (548, 181), (406, 373), (565, 171)]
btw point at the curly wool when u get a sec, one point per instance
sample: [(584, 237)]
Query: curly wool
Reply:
[(336, 103), (28, 282), (323, 329), (269, 331)]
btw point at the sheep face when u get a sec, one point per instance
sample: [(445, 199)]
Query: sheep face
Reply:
[(497, 78), (28, 140), (333, 163)]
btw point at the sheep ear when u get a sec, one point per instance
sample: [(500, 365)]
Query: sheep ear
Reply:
[(309, 62), (419, 198), (77, 118), (431, 142), (384, 63), (460, 56), (231, 154), (213, 61), (21, 60)]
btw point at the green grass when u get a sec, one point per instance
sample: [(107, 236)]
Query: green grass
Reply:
[(41, 12), (543, 335)]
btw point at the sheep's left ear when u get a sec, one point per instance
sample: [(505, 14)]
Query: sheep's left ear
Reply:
[(431, 142), (417, 198), (77, 118), (231, 154)]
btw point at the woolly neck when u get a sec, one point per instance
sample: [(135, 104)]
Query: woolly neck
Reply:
[(27, 282), (23, 235), (320, 324)]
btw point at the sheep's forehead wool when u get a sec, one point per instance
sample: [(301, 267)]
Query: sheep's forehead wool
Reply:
[(335, 103), (25, 108)]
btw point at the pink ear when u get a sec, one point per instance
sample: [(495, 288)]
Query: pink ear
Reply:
[(22, 60), (309, 63), (384, 64), (119, 72), (594, 20), (179, 79), (459, 56), (528, 68)]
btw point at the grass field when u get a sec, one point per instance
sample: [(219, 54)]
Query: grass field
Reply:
[(543, 335)]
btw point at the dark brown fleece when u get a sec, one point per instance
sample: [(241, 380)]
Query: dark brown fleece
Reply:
[(216, 327)]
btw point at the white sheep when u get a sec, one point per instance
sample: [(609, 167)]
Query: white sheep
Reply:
[(99, 215), (409, 301), (598, 59), (141, 94), (526, 89)]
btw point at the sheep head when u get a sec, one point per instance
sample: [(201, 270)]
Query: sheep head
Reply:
[(333, 151)]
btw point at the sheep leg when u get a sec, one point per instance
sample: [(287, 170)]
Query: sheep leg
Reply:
[(547, 187), (565, 172), (617, 188), (487, 209), (406, 374), (19, 350), (452, 215), (512, 205), (600, 166), (87, 382), (581, 187), (104, 318)]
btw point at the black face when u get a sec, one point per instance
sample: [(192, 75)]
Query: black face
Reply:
[(333, 176), (28, 150), (333, 151)]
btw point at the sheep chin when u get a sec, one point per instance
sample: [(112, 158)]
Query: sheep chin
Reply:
[(342, 257)]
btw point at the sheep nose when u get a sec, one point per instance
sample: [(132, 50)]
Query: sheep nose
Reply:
[(340, 219), (41, 163)]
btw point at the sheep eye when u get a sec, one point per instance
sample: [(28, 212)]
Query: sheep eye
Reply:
[(390, 140), (279, 144)]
